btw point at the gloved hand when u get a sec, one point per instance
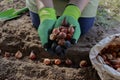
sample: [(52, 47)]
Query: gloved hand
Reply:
[(47, 18), (70, 16)]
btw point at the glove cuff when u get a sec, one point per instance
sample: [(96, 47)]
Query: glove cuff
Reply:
[(72, 10), (47, 13)]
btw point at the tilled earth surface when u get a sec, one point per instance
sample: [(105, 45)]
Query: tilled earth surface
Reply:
[(18, 34)]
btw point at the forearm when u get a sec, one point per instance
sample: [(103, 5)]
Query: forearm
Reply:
[(80, 3), (44, 3)]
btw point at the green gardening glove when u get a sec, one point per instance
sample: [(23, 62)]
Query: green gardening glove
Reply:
[(71, 15), (47, 18)]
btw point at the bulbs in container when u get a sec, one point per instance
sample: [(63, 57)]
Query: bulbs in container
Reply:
[(111, 56)]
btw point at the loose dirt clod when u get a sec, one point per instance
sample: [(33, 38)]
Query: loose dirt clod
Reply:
[(7, 55)]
